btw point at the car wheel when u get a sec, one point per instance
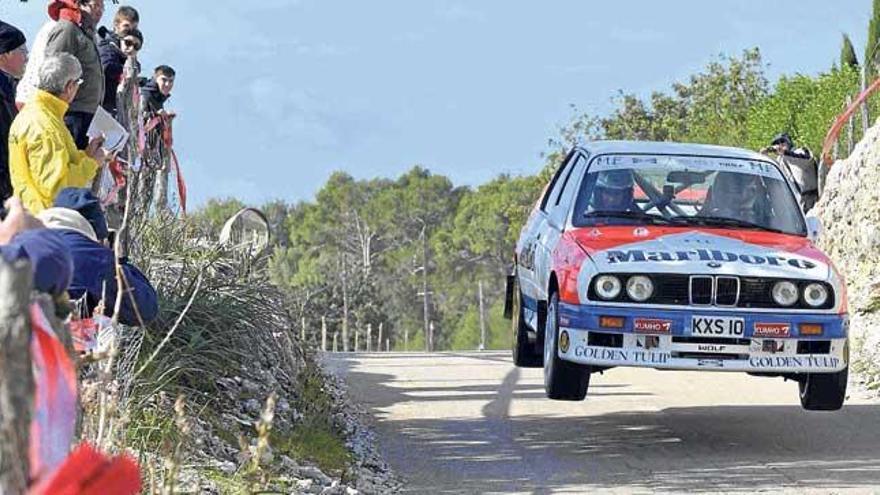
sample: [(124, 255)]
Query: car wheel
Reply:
[(823, 391), (524, 354), (563, 380)]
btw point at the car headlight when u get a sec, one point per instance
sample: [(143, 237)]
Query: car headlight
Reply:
[(815, 295), (639, 288), (785, 293), (608, 287)]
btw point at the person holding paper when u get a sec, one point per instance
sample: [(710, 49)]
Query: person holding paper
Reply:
[(43, 158)]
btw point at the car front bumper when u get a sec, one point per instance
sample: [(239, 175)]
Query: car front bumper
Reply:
[(672, 345)]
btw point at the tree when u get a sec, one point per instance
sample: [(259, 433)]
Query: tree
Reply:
[(211, 217), (848, 54), (872, 50)]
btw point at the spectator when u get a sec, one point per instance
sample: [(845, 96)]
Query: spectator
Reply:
[(78, 217), (801, 165), (24, 237), (43, 158), (157, 90), (115, 48), (75, 34), (27, 87), (13, 60), (113, 52)]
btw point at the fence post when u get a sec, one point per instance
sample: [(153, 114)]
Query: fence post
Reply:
[(850, 129), (324, 333), (866, 120), (16, 376)]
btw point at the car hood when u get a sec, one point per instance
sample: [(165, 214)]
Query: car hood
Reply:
[(748, 253)]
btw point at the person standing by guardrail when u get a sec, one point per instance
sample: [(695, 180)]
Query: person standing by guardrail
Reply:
[(800, 163), (43, 158), (75, 34), (13, 60)]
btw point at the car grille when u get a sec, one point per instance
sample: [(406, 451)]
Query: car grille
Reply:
[(707, 290)]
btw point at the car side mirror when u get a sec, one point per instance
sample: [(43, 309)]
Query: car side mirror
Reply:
[(814, 228)]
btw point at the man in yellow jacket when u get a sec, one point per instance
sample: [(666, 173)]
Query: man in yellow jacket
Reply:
[(43, 158)]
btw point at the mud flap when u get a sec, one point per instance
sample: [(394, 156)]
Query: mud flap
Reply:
[(508, 296)]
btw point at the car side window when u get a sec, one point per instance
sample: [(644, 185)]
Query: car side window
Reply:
[(567, 191), (549, 200)]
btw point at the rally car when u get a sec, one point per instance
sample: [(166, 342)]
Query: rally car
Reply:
[(680, 257)]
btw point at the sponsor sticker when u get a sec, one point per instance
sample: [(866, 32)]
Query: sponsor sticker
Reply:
[(652, 325), (772, 330)]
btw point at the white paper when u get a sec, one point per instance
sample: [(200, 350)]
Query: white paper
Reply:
[(115, 136)]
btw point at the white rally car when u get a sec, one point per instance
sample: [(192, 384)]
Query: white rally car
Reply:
[(676, 256)]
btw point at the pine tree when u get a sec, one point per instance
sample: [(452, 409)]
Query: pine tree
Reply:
[(872, 50), (848, 54)]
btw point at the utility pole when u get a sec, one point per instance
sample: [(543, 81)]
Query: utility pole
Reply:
[(427, 304), (379, 342), (335, 335), (431, 335), (324, 333), (369, 336), (357, 334), (482, 318)]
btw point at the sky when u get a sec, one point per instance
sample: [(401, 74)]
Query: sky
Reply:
[(275, 95)]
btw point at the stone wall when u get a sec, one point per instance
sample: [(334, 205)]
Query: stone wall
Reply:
[(850, 213)]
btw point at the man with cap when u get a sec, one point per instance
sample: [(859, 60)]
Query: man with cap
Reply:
[(78, 217), (800, 165), (13, 60), (24, 237)]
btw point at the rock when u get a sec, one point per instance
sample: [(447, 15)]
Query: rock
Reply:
[(313, 473), (253, 406), (228, 468)]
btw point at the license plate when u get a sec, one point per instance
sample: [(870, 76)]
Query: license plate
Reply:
[(717, 326)]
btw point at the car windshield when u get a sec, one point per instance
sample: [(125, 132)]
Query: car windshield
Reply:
[(681, 190)]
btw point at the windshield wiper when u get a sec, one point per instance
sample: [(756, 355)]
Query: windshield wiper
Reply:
[(727, 222), (630, 215)]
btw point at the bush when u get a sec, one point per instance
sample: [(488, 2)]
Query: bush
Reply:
[(803, 106)]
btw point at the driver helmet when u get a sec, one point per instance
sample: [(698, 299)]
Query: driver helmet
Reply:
[(736, 191), (613, 191)]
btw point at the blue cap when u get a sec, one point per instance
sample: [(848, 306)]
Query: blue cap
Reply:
[(49, 257), (83, 201)]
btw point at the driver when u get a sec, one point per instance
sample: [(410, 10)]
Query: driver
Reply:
[(735, 195), (613, 191)]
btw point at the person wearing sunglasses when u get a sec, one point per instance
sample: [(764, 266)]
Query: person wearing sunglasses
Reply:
[(115, 49)]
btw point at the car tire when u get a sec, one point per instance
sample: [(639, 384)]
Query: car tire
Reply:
[(823, 391), (563, 380), (524, 353)]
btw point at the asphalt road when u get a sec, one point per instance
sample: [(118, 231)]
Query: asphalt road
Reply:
[(473, 423)]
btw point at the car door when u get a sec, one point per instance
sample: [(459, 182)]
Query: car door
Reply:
[(554, 216), (535, 230)]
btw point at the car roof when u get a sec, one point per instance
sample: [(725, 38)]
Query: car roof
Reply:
[(666, 148)]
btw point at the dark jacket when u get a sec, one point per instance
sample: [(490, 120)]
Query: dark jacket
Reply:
[(113, 62), (7, 115), (152, 100), (49, 257), (73, 39), (93, 265)]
